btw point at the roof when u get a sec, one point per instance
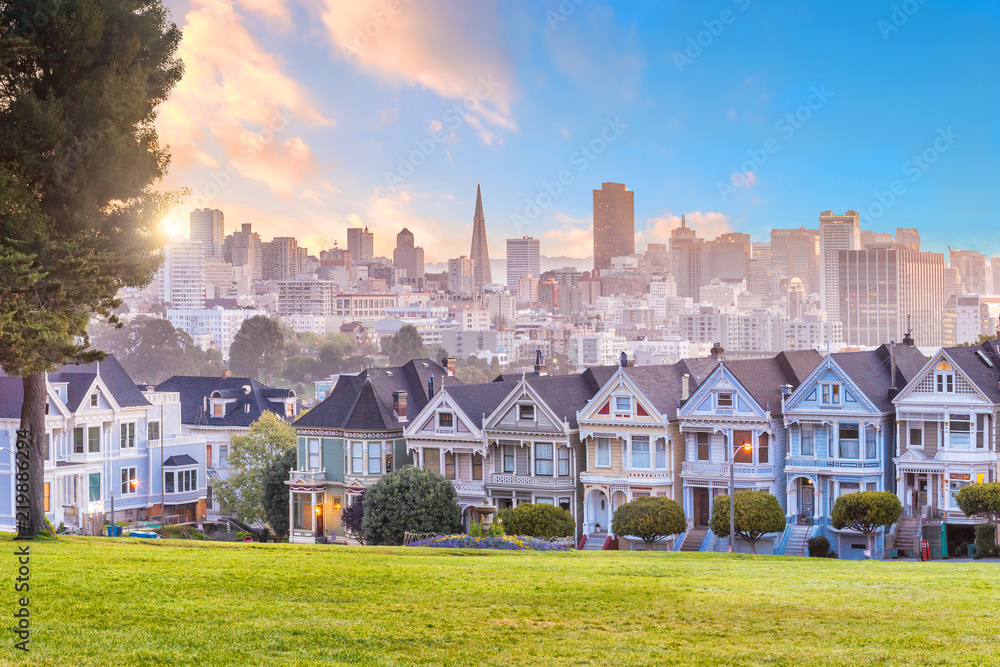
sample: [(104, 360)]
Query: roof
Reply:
[(870, 371), (566, 394), (984, 377), (179, 460), (763, 377), (363, 402), (476, 400), (194, 389)]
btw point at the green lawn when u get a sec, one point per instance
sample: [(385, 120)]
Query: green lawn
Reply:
[(98, 601)]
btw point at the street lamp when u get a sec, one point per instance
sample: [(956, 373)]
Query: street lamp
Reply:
[(732, 496)]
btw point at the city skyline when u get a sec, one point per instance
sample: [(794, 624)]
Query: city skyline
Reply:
[(675, 109)]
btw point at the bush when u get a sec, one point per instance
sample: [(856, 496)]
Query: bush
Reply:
[(352, 517), (866, 512), (181, 532), (649, 519), (496, 530), (475, 529), (986, 545), (819, 547), (757, 514), (520, 543), (410, 500), (537, 520)]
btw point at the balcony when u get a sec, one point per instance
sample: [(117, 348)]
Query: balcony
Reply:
[(511, 480), (303, 480), (469, 488), (179, 440), (721, 470), (162, 397), (844, 464)]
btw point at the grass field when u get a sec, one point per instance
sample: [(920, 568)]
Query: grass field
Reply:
[(98, 601)]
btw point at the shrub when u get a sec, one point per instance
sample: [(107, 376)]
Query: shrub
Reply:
[(519, 543), (649, 519), (496, 530), (819, 547), (866, 512), (181, 532), (757, 514), (410, 500), (986, 545), (982, 499), (475, 529), (352, 517), (537, 520)]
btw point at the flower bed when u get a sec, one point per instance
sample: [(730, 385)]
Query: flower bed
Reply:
[(513, 543)]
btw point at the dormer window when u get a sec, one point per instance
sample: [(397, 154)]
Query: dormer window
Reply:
[(724, 399), (93, 400), (526, 412), (623, 404), (446, 420), (945, 378), (831, 394)]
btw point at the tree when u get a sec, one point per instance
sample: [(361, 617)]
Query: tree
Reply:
[(332, 351), (537, 520), (981, 499), (353, 517), (276, 493), (471, 375), (757, 514), (559, 364), (413, 500), (151, 350), (300, 368), (250, 457), (257, 349), (79, 162), (650, 519), (404, 345), (866, 512)]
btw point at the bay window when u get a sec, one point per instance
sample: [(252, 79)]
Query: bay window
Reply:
[(78, 440), (314, 454), (477, 466), (449, 465), (640, 451), (850, 446), (358, 458), (808, 440), (741, 455), (960, 428), (564, 461), (604, 452), (508, 458), (661, 454), (704, 450), (871, 443), (763, 448), (543, 459), (981, 431), (302, 511), (432, 459), (374, 458)]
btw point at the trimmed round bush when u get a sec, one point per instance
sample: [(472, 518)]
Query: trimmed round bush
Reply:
[(819, 547), (649, 519), (410, 500), (537, 520)]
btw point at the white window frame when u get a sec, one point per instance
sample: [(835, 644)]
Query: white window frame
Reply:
[(722, 406), (644, 440), (313, 449), (441, 416), (357, 446), (621, 411), (530, 408), (603, 448), (126, 435), (375, 447), (127, 475), (563, 456), (508, 451)]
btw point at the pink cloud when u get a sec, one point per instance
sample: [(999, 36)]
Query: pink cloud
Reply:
[(709, 225)]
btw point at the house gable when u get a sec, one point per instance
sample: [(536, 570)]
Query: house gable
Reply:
[(426, 422), (809, 396), (620, 401), (523, 409), (721, 395), (923, 387)]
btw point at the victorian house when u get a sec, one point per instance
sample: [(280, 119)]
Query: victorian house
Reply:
[(734, 417), (841, 437), (947, 436), (348, 441)]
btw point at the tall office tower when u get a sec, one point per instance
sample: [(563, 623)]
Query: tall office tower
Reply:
[(953, 282), (726, 257), (243, 249), (796, 299), (759, 276), (871, 239), (685, 260), (361, 244), (965, 319), (761, 250), (779, 252), (461, 276), (614, 223), (208, 228), (280, 258), (523, 259), (182, 276), (219, 282), (482, 275), (527, 289), (803, 258), (971, 267), (880, 288), (909, 237), (836, 233), (995, 272), (409, 258)]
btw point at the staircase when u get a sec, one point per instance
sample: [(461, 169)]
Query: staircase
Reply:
[(798, 538), (908, 535), (694, 538), (595, 542)]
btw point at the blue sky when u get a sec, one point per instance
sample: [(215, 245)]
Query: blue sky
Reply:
[(741, 115)]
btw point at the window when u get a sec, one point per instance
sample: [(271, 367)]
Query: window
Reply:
[(704, 450), (604, 452), (724, 399), (945, 379), (623, 404), (223, 456), (180, 481), (78, 440), (94, 439), (446, 420), (508, 458), (850, 447), (916, 437), (314, 454), (980, 431), (640, 494), (93, 400), (128, 435), (153, 431), (871, 446), (640, 451), (432, 459), (47, 445), (477, 466), (449, 465), (564, 503), (953, 488), (526, 412), (831, 394), (661, 454), (544, 501), (302, 511), (808, 443), (217, 409), (763, 450), (130, 482), (742, 455), (374, 458), (388, 462), (94, 482), (358, 458), (543, 459), (960, 427), (168, 481), (564, 461)]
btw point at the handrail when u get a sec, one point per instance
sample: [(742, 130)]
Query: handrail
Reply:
[(704, 543), (582, 542), (679, 541), (783, 542)]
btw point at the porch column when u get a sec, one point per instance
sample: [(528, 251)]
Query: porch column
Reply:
[(531, 459), (291, 513)]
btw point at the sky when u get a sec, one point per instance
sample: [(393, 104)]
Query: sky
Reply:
[(306, 117)]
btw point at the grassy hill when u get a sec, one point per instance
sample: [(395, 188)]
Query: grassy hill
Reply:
[(97, 601)]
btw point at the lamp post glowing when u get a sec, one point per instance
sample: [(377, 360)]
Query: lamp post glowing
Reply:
[(732, 496)]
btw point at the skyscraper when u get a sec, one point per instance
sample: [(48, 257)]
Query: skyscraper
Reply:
[(361, 244), (685, 260), (614, 223), (409, 258), (836, 233), (971, 267), (182, 276), (243, 249), (523, 259), (208, 228), (480, 248), (460, 276), (280, 258)]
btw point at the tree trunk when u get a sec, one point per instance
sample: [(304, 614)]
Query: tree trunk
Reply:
[(33, 422)]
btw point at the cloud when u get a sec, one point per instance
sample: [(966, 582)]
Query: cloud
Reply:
[(708, 225), (446, 47), (746, 179), (275, 11), (574, 239)]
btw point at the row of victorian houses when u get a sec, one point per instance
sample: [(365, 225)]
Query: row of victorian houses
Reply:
[(818, 427)]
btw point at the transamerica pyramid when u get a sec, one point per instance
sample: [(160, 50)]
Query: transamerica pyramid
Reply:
[(480, 249)]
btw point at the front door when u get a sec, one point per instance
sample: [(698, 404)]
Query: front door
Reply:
[(922, 493), (702, 506), (806, 493)]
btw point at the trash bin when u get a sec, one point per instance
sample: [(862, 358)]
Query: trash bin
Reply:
[(973, 550), (114, 531)]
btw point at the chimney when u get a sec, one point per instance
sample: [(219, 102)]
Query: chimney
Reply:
[(449, 365), (225, 374), (540, 362), (399, 405), (623, 358), (430, 387), (908, 338), (685, 387), (786, 390), (717, 351)]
